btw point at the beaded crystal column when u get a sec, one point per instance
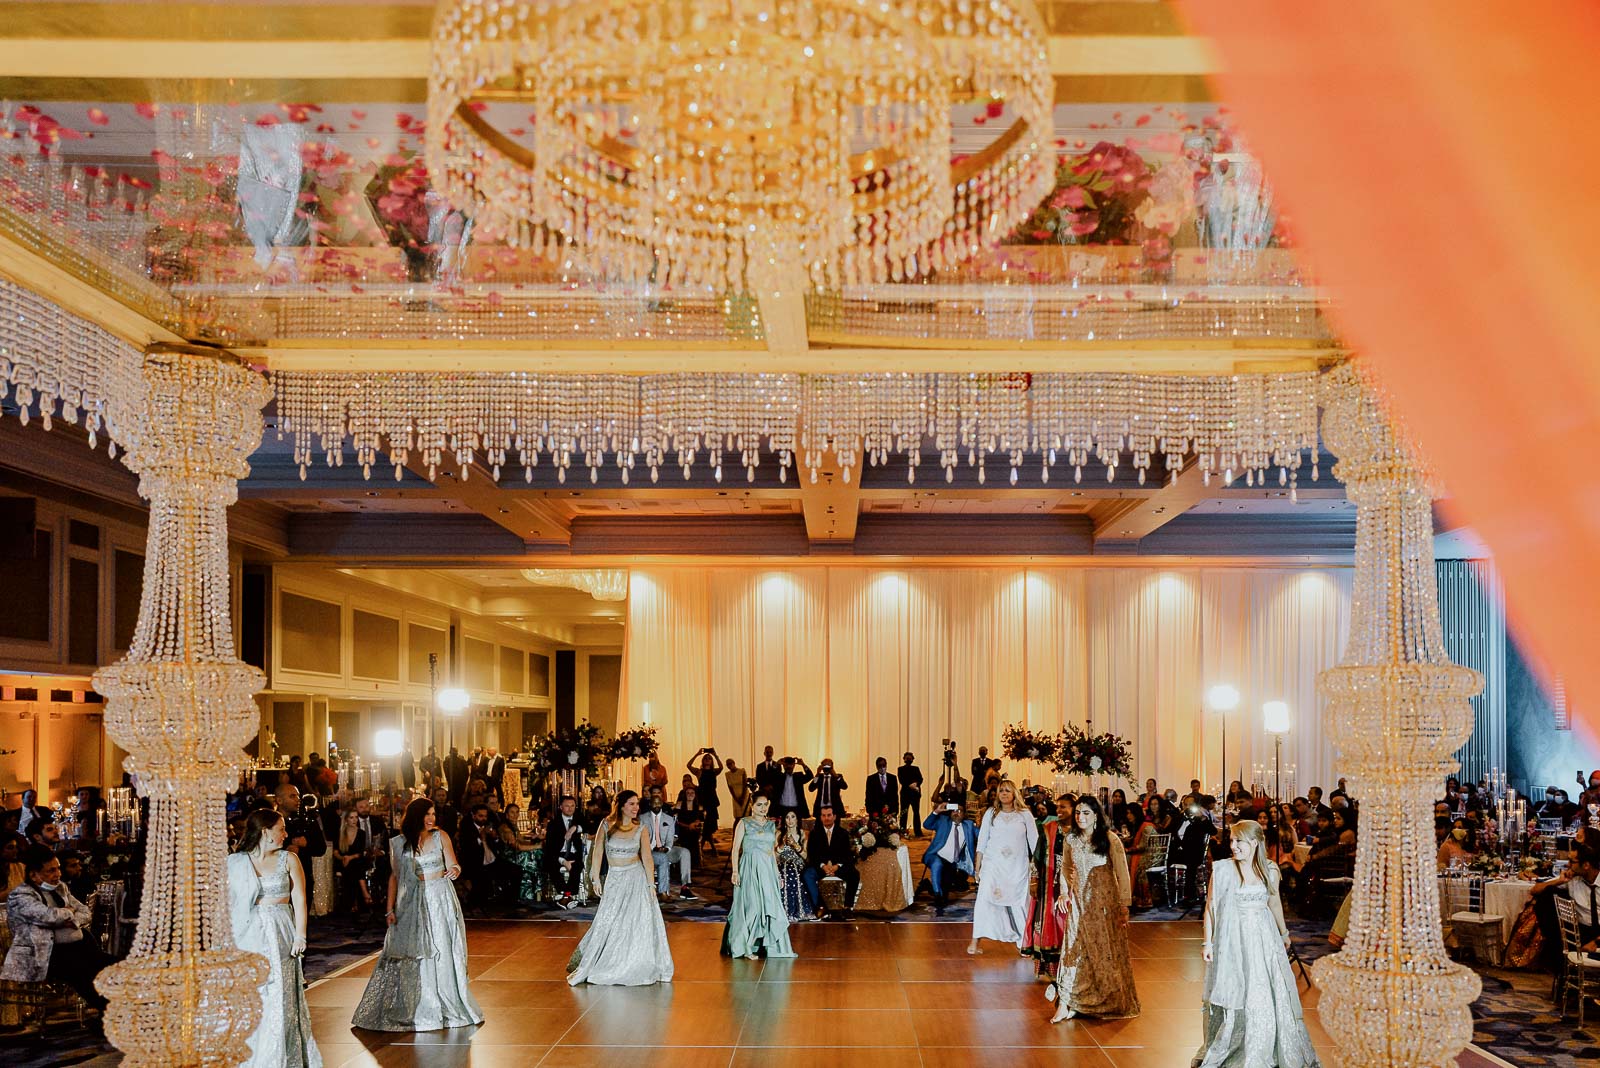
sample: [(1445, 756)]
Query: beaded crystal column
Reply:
[(181, 703), (1399, 709)]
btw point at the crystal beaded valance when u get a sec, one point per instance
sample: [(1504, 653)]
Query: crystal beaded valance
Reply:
[(1237, 426), (57, 363)]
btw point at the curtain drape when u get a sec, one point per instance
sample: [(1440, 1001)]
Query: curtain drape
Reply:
[(1426, 154), (859, 662)]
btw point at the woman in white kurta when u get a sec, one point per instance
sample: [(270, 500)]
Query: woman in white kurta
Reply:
[(1006, 839)]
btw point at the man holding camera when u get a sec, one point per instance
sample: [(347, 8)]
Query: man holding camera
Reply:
[(954, 848), (789, 790), (829, 786)]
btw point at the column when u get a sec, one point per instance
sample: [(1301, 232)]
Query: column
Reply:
[(182, 704), (1399, 708)]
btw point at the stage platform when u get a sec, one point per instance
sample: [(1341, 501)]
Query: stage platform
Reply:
[(895, 995)]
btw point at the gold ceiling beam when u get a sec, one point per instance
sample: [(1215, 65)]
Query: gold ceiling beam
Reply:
[(24, 265), (893, 354), (95, 50)]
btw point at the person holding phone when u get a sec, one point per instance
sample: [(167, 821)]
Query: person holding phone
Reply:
[(954, 848)]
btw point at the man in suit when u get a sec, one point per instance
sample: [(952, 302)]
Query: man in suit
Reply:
[(910, 778), (494, 772), (767, 773), (445, 815), (883, 790), (563, 852), (47, 923), (455, 777), (408, 767), (980, 767), (431, 766), (663, 830), (954, 847), (789, 790), (830, 852), (829, 786), (480, 862), (32, 811), (1193, 843)]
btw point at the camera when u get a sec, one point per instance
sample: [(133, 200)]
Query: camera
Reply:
[(949, 753)]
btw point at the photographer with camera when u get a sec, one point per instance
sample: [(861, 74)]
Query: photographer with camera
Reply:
[(829, 786), (710, 766)]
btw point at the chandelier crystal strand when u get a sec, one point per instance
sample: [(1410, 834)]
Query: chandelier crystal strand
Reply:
[(1234, 425), (727, 144), (182, 704), (1391, 997)]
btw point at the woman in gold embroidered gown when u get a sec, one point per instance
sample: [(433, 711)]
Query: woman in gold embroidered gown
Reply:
[(1094, 977)]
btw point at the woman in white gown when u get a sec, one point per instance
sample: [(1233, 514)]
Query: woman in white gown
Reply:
[(1006, 839), (626, 945), (1251, 1004), (420, 983), (267, 910)]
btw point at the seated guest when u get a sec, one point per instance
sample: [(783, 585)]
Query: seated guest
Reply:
[(76, 874), (31, 810), (830, 854), (954, 847), (446, 816), (1459, 846), (45, 833), (563, 852), (596, 809), (47, 932), (12, 874), (665, 850), (524, 852), (481, 863), (1580, 882)]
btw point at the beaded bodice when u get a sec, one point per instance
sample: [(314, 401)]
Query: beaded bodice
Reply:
[(431, 857), (276, 884), (622, 846)]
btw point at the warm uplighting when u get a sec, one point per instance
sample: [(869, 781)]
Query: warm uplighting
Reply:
[(453, 700), (1275, 716), (388, 743), (1222, 698)]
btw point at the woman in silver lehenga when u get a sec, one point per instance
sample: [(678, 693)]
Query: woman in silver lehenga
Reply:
[(267, 910), (420, 983), (1252, 1008), (626, 945)]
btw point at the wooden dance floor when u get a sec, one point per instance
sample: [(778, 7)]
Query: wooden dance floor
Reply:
[(889, 994)]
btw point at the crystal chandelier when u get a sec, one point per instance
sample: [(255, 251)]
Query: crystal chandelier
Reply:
[(735, 144), (603, 584)]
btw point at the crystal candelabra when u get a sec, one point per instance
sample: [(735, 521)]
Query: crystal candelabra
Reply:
[(1399, 708), (181, 703)]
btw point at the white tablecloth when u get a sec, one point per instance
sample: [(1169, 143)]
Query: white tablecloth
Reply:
[(903, 854), (1504, 898)]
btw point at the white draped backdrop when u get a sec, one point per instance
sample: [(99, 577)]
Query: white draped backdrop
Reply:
[(855, 662)]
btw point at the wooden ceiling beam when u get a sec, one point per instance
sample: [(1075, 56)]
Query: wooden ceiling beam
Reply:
[(535, 520), (1140, 516)]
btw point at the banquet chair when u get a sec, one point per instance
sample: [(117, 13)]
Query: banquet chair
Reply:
[(1579, 973), (1477, 932), (1156, 872)]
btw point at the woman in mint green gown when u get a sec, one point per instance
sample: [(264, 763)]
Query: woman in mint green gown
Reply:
[(757, 926)]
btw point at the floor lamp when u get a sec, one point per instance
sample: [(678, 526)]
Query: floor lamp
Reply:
[(1223, 699), (1275, 718)]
